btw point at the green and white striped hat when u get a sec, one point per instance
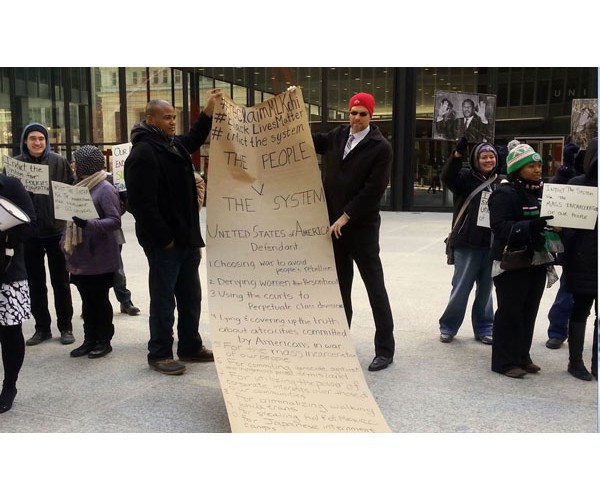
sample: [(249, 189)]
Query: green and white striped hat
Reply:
[(520, 156)]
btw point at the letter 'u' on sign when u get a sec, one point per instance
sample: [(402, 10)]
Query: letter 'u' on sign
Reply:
[(282, 345)]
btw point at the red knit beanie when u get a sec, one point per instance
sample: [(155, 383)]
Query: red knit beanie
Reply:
[(363, 99)]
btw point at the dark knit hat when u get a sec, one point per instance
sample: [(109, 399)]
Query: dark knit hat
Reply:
[(88, 160), (35, 127), (520, 156), (363, 99), (569, 152)]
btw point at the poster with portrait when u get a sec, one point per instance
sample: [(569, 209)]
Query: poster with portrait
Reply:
[(458, 114), (584, 121)]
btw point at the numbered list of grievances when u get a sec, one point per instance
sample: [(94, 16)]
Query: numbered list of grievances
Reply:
[(283, 352)]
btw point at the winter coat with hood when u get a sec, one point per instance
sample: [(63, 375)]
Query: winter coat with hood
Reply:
[(161, 186), (580, 260), (462, 181), (59, 170)]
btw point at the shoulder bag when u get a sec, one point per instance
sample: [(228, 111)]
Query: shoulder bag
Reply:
[(449, 241)]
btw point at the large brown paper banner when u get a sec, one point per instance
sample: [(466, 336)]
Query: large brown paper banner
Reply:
[(283, 352)]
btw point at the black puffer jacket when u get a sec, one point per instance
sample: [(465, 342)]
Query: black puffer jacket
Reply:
[(580, 261), (462, 181), (512, 208), (161, 187)]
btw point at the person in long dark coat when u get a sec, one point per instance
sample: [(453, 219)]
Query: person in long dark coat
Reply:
[(581, 275)]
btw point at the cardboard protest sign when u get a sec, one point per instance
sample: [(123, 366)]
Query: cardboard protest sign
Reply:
[(34, 177), (119, 155), (572, 206), (72, 201), (282, 345)]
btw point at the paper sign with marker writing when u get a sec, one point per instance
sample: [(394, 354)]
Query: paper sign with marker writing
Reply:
[(72, 201), (282, 345), (119, 155), (571, 205), (34, 177)]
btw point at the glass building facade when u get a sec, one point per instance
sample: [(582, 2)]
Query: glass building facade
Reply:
[(100, 105)]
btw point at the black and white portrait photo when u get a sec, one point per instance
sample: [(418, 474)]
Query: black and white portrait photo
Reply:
[(457, 114), (584, 121)]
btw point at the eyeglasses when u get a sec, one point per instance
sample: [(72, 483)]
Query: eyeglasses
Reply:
[(361, 113)]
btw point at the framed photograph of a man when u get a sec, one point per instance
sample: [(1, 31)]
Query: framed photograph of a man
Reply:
[(458, 114), (584, 121)]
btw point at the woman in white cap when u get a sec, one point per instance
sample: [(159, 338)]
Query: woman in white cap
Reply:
[(516, 224), (92, 253)]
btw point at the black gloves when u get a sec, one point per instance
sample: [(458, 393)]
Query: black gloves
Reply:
[(79, 222), (539, 223), (461, 146)]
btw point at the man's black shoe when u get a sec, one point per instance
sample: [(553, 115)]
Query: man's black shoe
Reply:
[(38, 337), (554, 343), (379, 363), (66, 337), (83, 349), (129, 308), (100, 349)]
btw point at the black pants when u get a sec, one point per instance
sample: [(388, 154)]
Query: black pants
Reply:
[(35, 250), (96, 308), (13, 353), (120, 283), (582, 305), (366, 256), (518, 295)]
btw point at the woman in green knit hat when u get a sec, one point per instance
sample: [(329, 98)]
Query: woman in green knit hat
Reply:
[(516, 224)]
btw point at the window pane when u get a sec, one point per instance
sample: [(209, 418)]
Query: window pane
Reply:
[(137, 97), (106, 114)]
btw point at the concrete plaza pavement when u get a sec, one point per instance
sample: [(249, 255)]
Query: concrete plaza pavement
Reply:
[(430, 388)]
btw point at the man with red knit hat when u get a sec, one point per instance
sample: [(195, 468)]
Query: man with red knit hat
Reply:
[(357, 161)]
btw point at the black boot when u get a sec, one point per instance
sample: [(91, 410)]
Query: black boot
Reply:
[(101, 349), (576, 341), (129, 308), (7, 397), (83, 349)]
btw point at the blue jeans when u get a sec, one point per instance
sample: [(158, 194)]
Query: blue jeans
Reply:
[(560, 312), (471, 266), (174, 281)]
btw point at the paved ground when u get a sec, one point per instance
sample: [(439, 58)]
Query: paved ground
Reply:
[(435, 397), (430, 388)]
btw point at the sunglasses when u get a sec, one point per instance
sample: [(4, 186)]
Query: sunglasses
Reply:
[(362, 113)]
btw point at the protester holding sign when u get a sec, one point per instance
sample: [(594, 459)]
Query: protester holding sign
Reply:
[(163, 198), (14, 289), (92, 253), (35, 148), (356, 171), (470, 241), (580, 266), (518, 228)]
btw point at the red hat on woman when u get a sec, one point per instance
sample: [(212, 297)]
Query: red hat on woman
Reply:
[(363, 99)]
